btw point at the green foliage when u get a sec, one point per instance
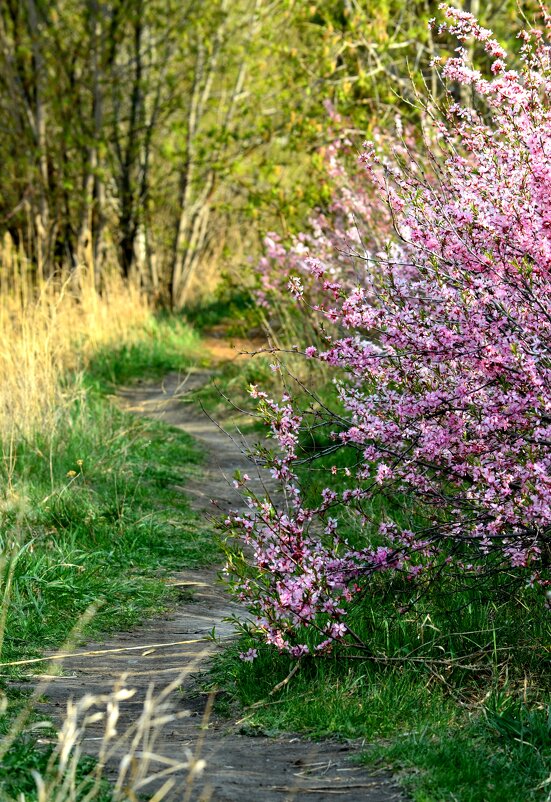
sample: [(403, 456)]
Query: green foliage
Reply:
[(386, 49), (166, 344)]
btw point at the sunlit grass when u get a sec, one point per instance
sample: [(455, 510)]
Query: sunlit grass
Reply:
[(479, 760), (163, 344), (95, 519)]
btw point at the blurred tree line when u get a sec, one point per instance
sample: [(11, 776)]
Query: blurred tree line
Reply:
[(161, 137)]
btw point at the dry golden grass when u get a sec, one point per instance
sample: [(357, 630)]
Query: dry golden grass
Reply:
[(50, 330), (126, 756)]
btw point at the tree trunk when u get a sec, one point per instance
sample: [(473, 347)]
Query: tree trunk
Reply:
[(41, 208)]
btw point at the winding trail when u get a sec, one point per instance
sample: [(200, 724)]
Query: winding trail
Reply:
[(239, 768)]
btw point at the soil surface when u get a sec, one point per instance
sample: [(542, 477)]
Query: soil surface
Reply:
[(238, 767)]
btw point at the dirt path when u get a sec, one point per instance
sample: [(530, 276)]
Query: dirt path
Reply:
[(238, 768)]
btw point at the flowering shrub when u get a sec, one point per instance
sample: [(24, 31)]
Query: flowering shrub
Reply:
[(448, 395), (343, 236)]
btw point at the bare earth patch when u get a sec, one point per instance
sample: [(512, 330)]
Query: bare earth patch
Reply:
[(239, 768)]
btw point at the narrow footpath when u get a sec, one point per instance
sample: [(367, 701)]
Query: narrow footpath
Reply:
[(172, 649)]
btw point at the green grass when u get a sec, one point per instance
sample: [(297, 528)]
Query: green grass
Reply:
[(479, 760), (166, 344), (96, 518), (440, 728), (451, 734), (328, 697), (17, 780)]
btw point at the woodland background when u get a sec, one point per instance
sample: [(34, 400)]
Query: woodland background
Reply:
[(162, 139)]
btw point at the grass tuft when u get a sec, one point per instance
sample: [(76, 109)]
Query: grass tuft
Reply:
[(163, 344)]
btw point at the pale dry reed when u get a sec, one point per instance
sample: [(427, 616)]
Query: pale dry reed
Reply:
[(49, 330), (129, 765), (128, 755)]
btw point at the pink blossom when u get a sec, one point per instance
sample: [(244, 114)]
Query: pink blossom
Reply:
[(248, 656), (445, 346)]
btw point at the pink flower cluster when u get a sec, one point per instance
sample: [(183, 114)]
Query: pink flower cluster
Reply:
[(447, 353)]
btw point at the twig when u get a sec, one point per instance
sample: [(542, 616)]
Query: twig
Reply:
[(97, 652), (274, 690)]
